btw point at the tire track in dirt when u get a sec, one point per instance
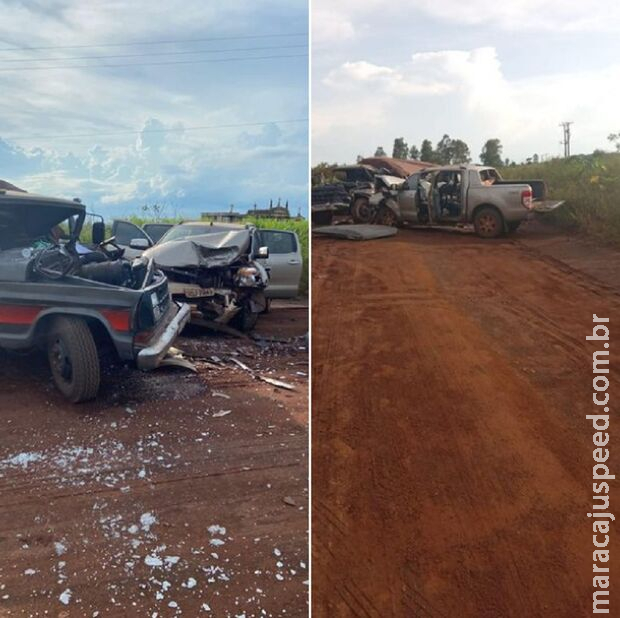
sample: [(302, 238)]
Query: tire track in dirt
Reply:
[(463, 484)]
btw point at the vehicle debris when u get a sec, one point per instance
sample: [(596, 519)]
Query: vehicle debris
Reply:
[(356, 231), (277, 383)]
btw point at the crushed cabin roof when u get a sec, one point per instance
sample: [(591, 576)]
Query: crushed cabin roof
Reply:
[(397, 167), (34, 215), (32, 199)]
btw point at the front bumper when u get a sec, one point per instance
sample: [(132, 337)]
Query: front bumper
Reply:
[(151, 356)]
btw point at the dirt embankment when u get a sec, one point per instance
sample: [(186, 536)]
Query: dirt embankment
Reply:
[(452, 460), (172, 494)]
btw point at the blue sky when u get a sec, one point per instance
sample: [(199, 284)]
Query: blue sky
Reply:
[(122, 137), (420, 68)]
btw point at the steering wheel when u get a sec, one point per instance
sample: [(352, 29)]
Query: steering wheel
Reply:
[(114, 254), (55, 262)]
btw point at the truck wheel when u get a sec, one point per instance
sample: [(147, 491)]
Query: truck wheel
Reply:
[(245, 320), (73, 359), (488, 223), (361, 210)]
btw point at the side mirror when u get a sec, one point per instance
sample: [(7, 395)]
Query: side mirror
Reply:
[(262, 253), (141, 244), (98, 232)]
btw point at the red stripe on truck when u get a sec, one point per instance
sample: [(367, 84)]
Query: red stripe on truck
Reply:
[(118, 320), (19, 314)]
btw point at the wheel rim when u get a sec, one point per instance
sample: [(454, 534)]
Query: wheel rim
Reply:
[(362, 210), (487, 225), (61, 361), (388, 218)]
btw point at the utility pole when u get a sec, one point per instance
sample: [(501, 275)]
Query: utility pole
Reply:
[(566, 141)]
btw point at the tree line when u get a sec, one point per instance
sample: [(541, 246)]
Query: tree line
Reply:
[(449, 151)]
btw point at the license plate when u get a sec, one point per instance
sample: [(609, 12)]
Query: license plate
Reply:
[(198, 292)]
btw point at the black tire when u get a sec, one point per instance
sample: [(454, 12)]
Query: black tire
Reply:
[(386, 216), (361, 212), (488, 223), (73, 359), (245, 320), (513, 226)]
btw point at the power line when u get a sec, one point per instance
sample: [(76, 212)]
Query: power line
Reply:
[(164, 42), (150, 54), (169, 130), (144, 64)]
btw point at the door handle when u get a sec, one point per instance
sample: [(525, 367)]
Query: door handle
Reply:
[(294, 261)]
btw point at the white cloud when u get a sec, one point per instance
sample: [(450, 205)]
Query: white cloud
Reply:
[(528, 15), (464, 93), (122, 155), (350, 18), (330, 26)]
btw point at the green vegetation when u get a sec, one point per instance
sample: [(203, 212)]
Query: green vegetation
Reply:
[(590, 184)]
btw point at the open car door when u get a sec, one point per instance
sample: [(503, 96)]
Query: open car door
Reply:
[(284, 262), (125, 233), (156, 230)]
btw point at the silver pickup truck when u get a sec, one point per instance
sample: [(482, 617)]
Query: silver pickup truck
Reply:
[(462, 194)]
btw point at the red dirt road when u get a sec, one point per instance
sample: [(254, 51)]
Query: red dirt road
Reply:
[(452, 461), (166, 496)]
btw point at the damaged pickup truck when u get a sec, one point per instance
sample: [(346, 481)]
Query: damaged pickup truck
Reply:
[(76, 303), (457, 195)]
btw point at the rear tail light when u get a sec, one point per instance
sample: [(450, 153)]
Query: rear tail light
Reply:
[(526, 198)]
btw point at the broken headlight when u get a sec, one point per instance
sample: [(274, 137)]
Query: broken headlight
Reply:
[(248, 276)]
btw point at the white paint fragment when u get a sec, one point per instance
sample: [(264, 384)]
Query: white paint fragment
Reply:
[(153, 561), (22, 459), (216, 529), (221, 413), (216, 542), (147, 520), (65, 597), (29, 572), (191, 583), (277, 552), (171, 559), (60, 548)]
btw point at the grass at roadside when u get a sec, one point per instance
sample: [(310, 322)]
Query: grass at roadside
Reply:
[(591, 187)]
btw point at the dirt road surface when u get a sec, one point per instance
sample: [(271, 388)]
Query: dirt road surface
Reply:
[(174, 494), (452, 461)]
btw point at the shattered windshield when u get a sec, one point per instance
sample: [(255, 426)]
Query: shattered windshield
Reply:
[(187, 231)]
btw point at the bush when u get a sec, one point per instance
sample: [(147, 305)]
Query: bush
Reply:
[(590, 185)]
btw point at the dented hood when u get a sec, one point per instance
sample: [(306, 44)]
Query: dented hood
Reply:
[(205, 251)]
